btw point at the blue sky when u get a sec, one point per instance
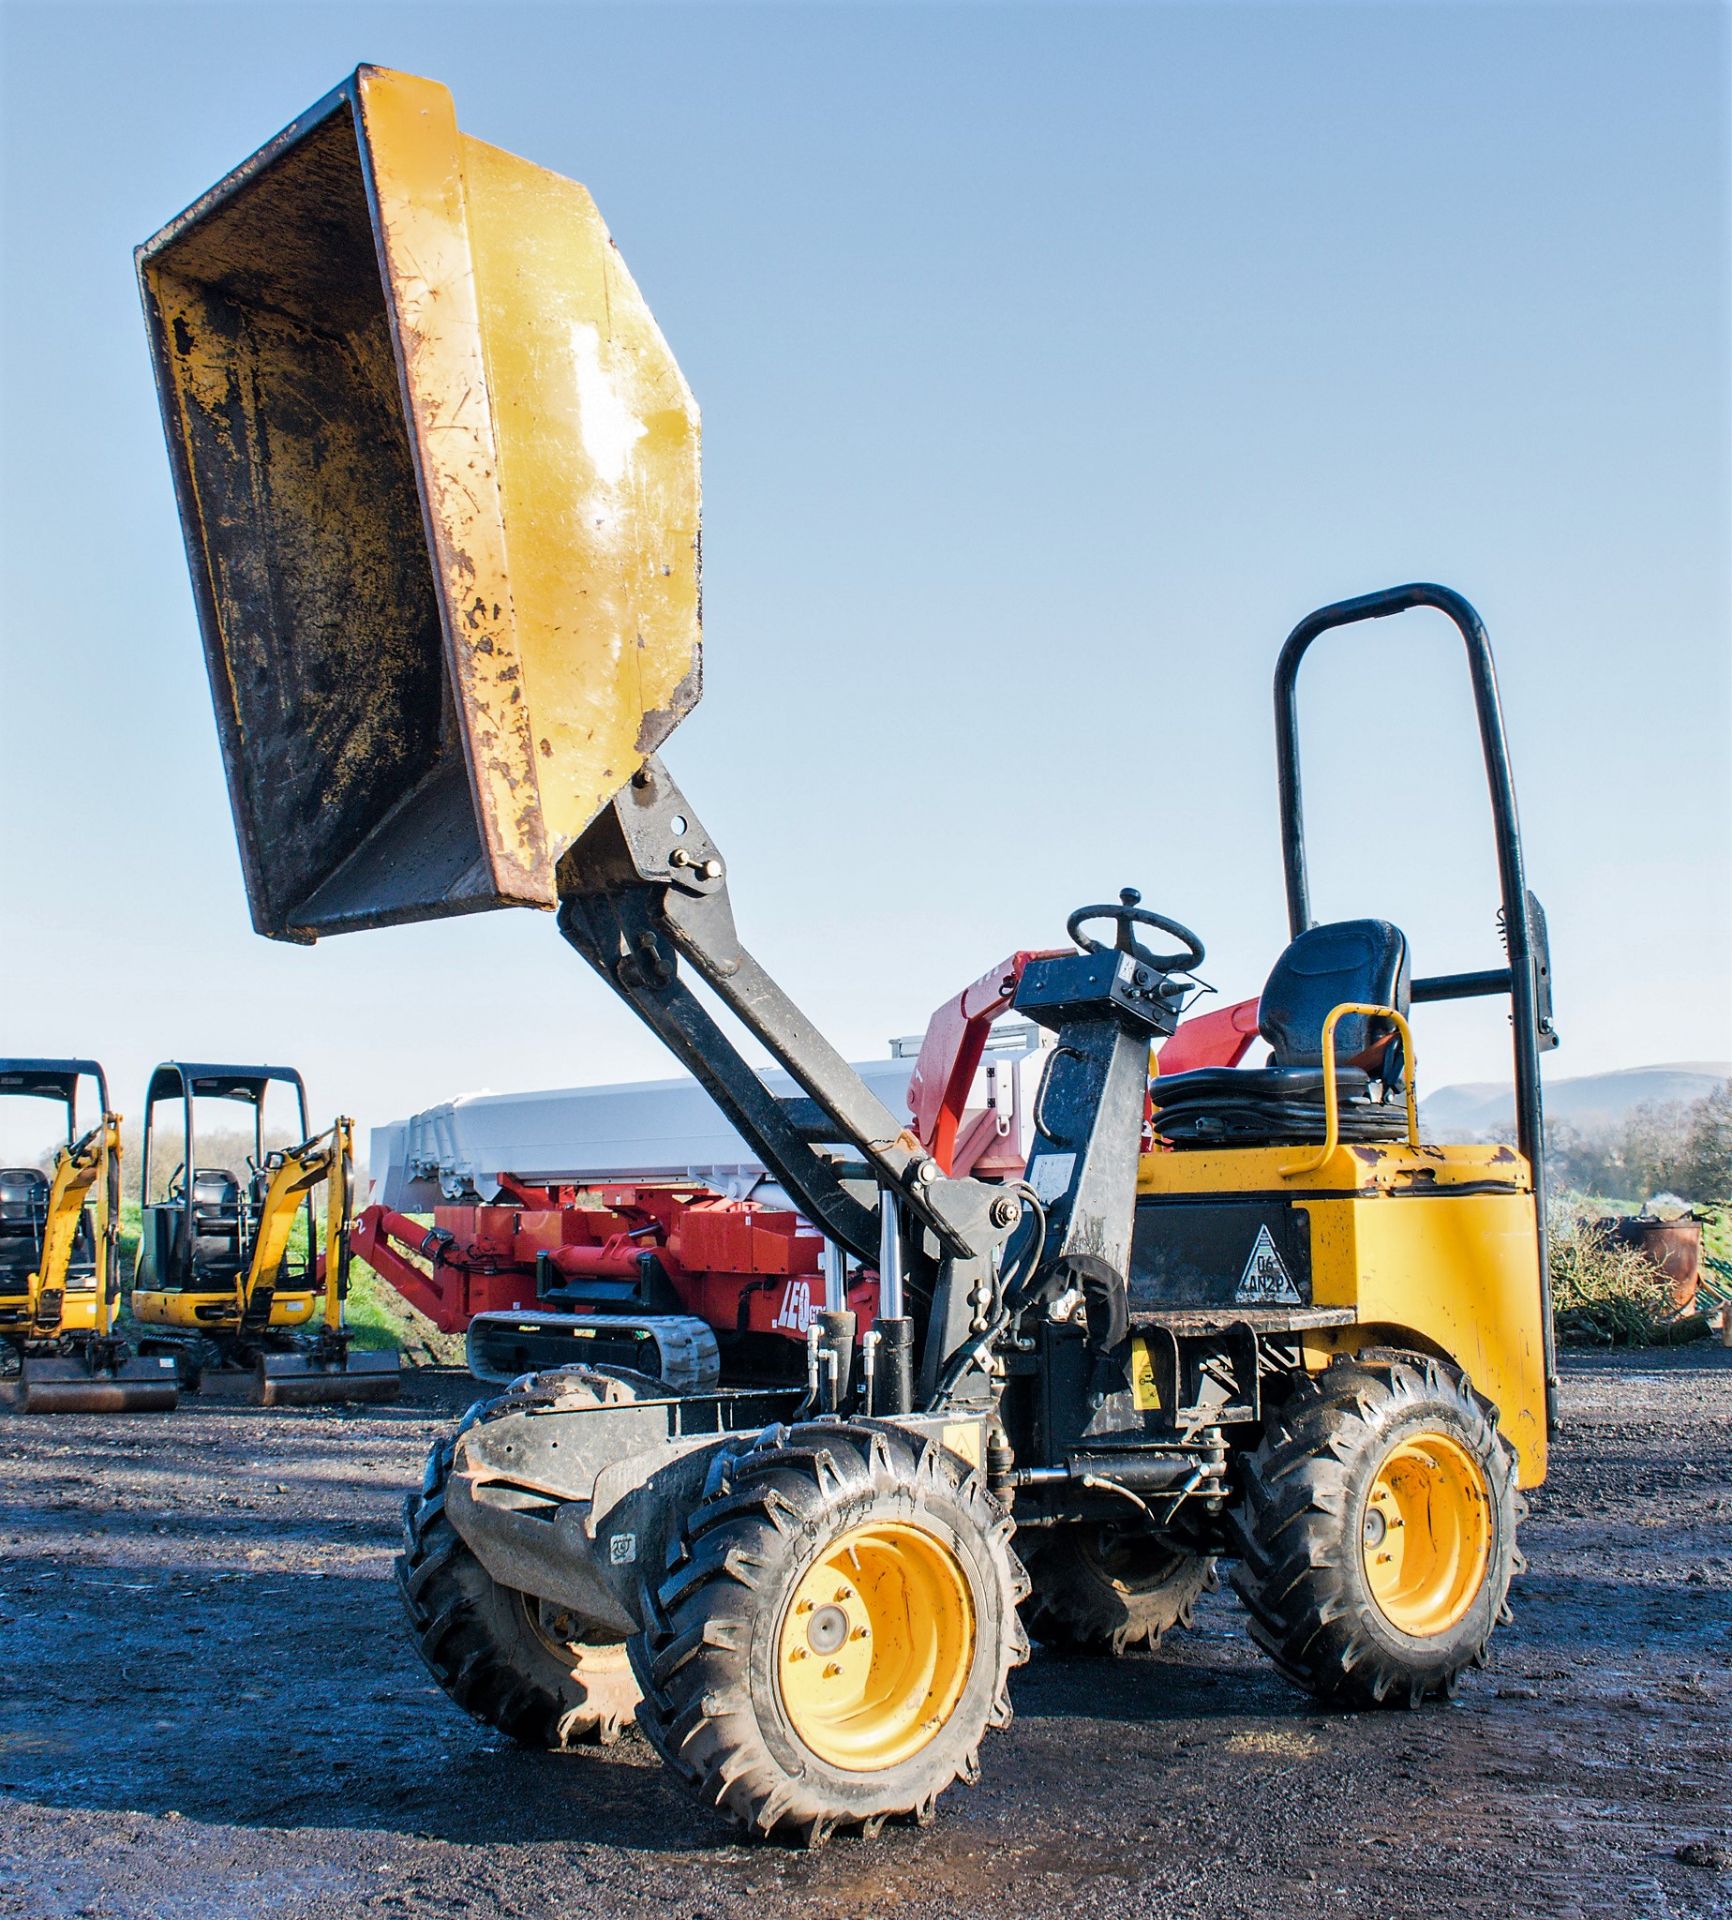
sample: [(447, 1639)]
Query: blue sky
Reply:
[(1053, 362)]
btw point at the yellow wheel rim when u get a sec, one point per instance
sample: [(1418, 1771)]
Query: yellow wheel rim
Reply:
[(1427, 1534), (876, 1646)]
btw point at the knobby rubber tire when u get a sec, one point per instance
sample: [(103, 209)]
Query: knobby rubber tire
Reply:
[(483, 1642), (1299, 1526), (1100, 1588), (708, 1656)]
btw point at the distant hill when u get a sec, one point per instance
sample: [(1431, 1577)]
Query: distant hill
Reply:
[(1589, 1101)]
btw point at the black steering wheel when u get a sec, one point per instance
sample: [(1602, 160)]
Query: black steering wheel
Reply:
[(1130, 912)]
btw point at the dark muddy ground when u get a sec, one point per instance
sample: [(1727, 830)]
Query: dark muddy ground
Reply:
[(208, 1708)]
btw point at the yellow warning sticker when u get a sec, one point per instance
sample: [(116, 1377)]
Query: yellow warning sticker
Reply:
[(1145, 1393)]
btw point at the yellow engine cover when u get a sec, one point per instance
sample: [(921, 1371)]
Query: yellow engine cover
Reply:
[(1429, 1247), (77, 1311), (194, 1312)]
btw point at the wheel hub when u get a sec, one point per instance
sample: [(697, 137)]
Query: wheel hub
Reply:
[(826, 1629), (876, 1646), (1427, 1534)]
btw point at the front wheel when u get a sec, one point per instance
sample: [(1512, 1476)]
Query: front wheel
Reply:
[(836, 1636), (526, 1666), (514, 1662), (1377, 1533)]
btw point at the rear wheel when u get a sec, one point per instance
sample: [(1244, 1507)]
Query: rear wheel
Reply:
[(1378, 1532), (531, 1668), (1110, 1589), (836, 1636)]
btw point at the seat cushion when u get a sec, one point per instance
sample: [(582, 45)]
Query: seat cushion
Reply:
[(1268, 1106), (216, 1223)]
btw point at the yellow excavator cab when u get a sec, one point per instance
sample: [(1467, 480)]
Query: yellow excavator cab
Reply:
[(438, 475), (55, 1222)]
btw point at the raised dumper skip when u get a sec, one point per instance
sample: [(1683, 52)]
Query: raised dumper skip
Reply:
[(437, 474)]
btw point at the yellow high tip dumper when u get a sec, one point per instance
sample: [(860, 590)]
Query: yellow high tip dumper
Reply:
[(438, 478)]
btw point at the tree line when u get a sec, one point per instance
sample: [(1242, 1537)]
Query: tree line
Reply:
[(1676, 1146)]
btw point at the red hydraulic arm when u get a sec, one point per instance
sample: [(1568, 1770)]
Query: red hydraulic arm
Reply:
[(950, 1057), (450, 1271), (739, 1266)]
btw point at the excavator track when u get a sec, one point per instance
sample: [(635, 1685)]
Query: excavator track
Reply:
[(677, 1348)]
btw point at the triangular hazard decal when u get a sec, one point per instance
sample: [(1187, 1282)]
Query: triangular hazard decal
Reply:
[(1266, 1281)]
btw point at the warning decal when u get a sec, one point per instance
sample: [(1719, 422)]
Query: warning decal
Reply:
[(1266, 1281)]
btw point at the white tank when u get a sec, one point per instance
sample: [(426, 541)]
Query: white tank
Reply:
[(639, 1130)]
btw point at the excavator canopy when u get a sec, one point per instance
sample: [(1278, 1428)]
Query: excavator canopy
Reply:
[(437, 472)]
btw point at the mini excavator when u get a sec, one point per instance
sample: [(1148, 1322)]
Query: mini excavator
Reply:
[(59, 1260), (231, 1284)]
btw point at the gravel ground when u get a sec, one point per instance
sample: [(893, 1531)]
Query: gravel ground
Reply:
[(208, 1708)]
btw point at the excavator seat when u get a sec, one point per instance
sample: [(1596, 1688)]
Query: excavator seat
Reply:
[(216, 1224), (1361, 961), (23, 1213)]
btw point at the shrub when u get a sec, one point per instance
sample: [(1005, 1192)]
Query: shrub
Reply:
[(1604, 1293)]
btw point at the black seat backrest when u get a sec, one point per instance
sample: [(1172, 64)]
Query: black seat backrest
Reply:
[(23, 1195), (23, 1209), (1326, 967), (216, 1220)]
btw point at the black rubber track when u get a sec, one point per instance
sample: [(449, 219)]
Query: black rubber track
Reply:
[(1103, 1590), (480, 1640), (1299, 1525), (707, 1657)]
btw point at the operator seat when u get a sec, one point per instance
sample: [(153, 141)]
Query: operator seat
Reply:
[(216, 1224), (23, 1211), (1282, 1103)]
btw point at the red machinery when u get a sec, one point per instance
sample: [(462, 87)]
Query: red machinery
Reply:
[(666, 1279), (963, 1139), (678, 1280)]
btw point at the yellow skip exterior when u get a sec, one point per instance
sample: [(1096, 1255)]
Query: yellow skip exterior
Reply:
[(557, 444), (438, 473)]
